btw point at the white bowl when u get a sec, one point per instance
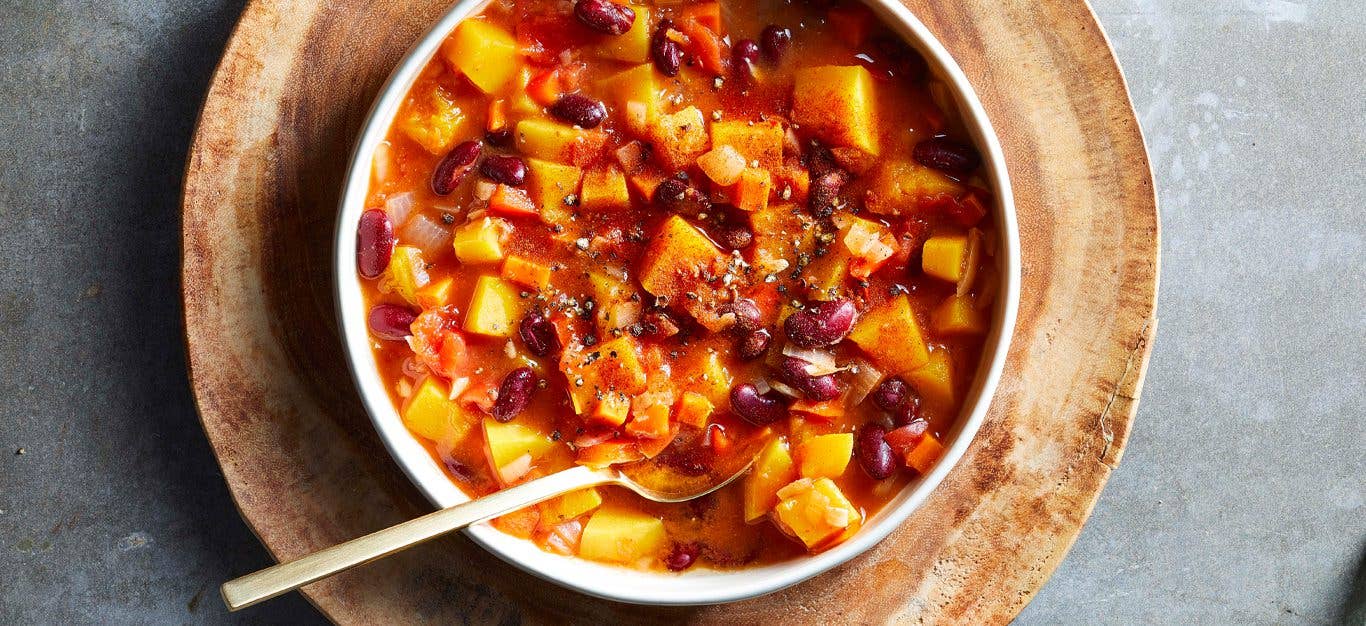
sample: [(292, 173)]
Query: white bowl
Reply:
[(697, 585)]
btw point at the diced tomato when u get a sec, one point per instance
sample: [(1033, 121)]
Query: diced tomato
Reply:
[(437, 344), (705, 45), (542, 36), (905, 438), (718, 439), (480, 395), (544, 87)]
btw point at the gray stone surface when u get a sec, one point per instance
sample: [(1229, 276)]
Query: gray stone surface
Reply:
[(1239, 500)]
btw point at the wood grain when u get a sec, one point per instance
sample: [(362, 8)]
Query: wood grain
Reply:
[(307, 470)]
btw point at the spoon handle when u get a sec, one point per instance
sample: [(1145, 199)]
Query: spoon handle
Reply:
[(278, 579)]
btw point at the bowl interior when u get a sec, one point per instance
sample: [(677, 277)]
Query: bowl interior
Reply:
[(698, 585)]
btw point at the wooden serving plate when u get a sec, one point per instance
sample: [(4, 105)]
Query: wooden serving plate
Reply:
[(307, 470)]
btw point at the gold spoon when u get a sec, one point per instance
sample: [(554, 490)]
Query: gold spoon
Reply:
[(649, 480)]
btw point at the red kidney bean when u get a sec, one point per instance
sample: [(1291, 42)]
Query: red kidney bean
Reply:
[(945, 154), (374, 243), (453, 169), (873, 453), (501, 137), (677, 194), (908, 412), (818, 388), (754, 344), (666, 53), (733, 236), (391, 322), (775, 39), (514, 394), (824, 195), (904, 62), (681, 557), (890, 393), (579, 110), (604, 16), (508, 170), (745, 51), (759, 410), (539, 335), (821, 325), (747, 316)]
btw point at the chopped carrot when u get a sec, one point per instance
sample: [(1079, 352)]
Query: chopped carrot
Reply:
[(704, 44), (545, 88), (925, 454), (609, 453), (610, 411), (828, 410), (519, 523), (707, 14), (526, 272), (511, 201)]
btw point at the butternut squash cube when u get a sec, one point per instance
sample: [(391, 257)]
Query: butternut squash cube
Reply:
[(891, 335), (638, 85), (944, 255), (836, 103), (694, 409), (548, 184), (495, 308), (431, 414), (751, 193), (481, 241), (817, 513), (704, 373), (512, 448), (407, 272), (632, 46), (570, 505), (826, 275), (484, 53), (604, 190), (934, 379), (622, 535), (900, 187), (681, 137), (608, 368), (434, 122), (543, 139), (675, 259), (957, 315), (760, 141), (825, 456), (772, 471)]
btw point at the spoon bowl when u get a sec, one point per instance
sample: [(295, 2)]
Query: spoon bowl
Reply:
[(649, 479)]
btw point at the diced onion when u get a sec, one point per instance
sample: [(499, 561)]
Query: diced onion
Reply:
[(516, 469), (865, 379), (383, 165), (484, 189), (784, 389), (820, 362), (973, 256), (428, 234), (399, 207)]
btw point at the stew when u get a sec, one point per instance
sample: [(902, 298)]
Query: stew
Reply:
[(602, 233)]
